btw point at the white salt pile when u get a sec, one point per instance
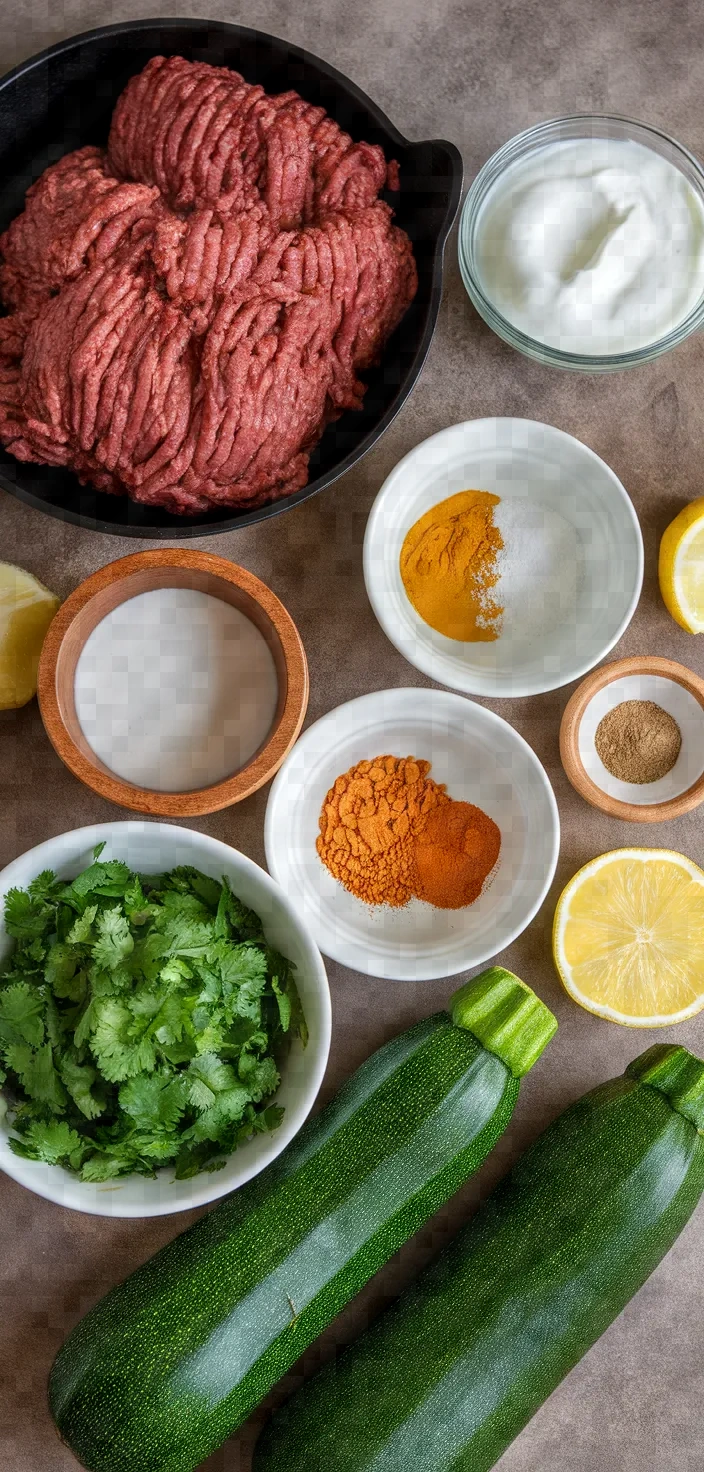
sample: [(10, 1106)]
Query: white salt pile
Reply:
[(538, 570)]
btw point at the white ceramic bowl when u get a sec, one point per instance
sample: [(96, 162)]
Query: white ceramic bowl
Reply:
[(516, 458), (482, 760), (152, 848)]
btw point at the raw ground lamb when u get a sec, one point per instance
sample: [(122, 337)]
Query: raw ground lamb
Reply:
[(189, 308)]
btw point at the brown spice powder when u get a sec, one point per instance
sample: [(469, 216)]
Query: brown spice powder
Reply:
[(638, 741)]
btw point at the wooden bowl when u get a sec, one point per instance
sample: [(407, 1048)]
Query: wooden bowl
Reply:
[(116, 584), (679, 691)]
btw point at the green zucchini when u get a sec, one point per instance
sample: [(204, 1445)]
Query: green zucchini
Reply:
[(448, 1376), (172, 1361)]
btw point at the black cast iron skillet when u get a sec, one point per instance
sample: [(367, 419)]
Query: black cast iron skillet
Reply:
[(63, 99)]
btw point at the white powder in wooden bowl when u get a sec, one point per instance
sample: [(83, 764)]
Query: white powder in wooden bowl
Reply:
[(175, 690)]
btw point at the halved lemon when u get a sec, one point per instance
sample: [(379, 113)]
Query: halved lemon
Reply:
[(26, 610), (681, 567), (628, 937)]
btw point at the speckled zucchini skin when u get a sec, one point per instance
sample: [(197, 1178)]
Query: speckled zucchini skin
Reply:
[(449, 1375), (165, 1368)]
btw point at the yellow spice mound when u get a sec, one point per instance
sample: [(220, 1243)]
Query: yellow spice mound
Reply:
[(448, 567)]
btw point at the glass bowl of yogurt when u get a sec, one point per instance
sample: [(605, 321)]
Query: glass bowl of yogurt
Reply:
[(581, 243)]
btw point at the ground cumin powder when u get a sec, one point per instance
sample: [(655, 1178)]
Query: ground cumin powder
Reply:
[(638, 741), (388, 832)]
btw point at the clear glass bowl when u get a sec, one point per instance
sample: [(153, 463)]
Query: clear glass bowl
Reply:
[(560, 130)]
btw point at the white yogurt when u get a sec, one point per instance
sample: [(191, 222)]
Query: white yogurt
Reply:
[(175, 690), (593, 246)]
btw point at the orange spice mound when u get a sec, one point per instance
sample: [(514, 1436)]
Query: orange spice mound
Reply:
[(454, 853), (369, 822), (388, 832)]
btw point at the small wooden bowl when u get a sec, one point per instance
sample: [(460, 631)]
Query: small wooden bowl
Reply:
[(671, 685), (125, 579)]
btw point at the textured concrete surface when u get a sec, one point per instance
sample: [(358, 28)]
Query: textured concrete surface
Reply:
[(475, 73)]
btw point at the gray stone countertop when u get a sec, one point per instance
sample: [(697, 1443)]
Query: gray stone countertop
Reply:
[(475, 73)]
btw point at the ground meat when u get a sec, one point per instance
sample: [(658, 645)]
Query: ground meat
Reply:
[(191, 307)]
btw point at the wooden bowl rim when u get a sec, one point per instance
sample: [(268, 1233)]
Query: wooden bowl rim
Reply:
[(647, 664), (201, 800)]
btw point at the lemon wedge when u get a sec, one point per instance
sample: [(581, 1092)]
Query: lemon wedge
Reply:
[(681, 567), (628, 937), (26, 610)]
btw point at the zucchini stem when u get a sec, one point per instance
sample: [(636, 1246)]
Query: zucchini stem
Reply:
[(505, 1016)]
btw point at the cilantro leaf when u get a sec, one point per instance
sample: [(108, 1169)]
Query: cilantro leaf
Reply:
[(120, 1045), (175, 972), (79, 1079), (101, 1168), (228, 1107), (186, 936), (86, 1024), (60, 969), (284, 1004), (136, 903), (260, 1076), (243, 965), (207, 890), (114, 943), (21, 1008), (147, 958), (159, 1148), (269, 1118), (52, 1141), (245, 923), (46, 885), (298, 1024), (154, 1100), (210, 1036), (187, 880), (35, 1069), (247, 1000), (81, 932), (192, 1159), (162, 1011), (179, 1052), (208, 1076), (108, 880), (56, 1023), (26, 918)]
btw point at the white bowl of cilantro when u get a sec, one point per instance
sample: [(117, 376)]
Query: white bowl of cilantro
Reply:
[(164, 1019)]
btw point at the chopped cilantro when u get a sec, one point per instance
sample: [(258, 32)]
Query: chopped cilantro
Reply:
[(143, 1021)]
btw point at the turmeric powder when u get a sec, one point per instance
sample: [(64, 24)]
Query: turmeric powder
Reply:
[(388, 832), (448, 567)]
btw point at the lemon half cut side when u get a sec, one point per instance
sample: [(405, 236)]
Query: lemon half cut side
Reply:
[(26, 610), (628, 937)]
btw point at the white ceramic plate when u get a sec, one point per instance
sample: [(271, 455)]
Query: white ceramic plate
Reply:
[(152, 848), (482, 760), (521, 459)]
